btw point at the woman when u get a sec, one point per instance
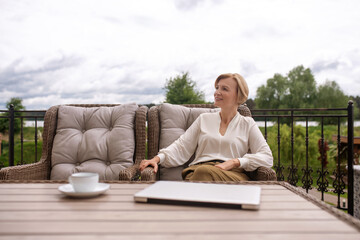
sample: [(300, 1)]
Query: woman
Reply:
[(221, 140)]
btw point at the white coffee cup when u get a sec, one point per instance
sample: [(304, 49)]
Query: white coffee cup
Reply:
[(84, 181)]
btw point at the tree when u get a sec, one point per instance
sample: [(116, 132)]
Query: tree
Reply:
[(330, 95), (356, 101), (272, 95), (296, 90), (4, 122), (182, 90), (250, 103), (301, 88)]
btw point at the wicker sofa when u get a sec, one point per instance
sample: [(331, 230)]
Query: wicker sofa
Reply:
[(93, 128), (162, 131)]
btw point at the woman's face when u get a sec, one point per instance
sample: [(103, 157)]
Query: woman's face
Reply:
[(226, 93)]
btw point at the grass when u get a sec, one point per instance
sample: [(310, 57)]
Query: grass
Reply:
[(345, 195), (28, 147), (28, 154)]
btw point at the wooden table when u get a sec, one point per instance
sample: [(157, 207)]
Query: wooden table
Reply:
[(40, 211)]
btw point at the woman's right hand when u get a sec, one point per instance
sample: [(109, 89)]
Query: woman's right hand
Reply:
[(152, 162)]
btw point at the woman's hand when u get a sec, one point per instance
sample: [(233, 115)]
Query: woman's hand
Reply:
[(228, 165), (152, 162)]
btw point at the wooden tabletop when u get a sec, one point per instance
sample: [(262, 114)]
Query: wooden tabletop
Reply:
[(40, 211)]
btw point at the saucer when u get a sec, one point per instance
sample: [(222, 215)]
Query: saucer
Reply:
[(68, 190)]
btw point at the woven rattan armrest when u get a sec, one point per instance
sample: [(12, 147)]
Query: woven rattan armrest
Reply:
[(131, 173), (41, 169), (262, 174), (35, 171), (148, 174), (153, 132), (140, 134)]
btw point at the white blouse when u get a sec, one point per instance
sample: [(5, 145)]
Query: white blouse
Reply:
[(203, 136)]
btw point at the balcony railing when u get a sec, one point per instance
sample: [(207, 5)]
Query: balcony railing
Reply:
[(277, 117), (11, 115), (289, 116)]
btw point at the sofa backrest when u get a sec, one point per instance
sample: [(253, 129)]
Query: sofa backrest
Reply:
[(93, 139), (175, 120)]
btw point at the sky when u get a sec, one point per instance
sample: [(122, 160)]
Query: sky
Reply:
[(120, 51)]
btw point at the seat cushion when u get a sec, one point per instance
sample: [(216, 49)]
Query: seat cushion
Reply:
[(96, 139), (174, 121)]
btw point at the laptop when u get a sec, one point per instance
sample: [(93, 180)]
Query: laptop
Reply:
[(201, 194)]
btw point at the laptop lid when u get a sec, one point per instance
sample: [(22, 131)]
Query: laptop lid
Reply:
[(201, 194)]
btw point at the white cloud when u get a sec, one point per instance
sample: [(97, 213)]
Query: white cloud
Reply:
[(121, 51)]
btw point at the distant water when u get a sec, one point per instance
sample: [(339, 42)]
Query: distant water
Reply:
[(40, 123)]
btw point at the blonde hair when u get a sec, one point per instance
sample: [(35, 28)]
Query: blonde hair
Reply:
[(242, 90)]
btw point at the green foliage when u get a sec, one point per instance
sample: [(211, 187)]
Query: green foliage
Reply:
[(356, 101), (301, 88), (271, 95), (296, 90), (28, 153), (4, 122), (182, 90), (28, 147), (299, 156), (330, 95), (250, 103), (299, 145), (17, 102)]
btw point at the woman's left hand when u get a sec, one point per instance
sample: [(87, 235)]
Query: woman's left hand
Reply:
[(228, 165)]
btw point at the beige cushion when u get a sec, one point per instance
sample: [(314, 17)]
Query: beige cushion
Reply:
[(97, 139), (174, 120)]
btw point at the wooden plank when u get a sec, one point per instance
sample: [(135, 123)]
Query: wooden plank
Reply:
[(157, 236), (55, 185), (81, 205), (108, 197), (198, 214), (28, 185), (174, 227), (116, 191), (16, 187), (15, 191), (277, 192)]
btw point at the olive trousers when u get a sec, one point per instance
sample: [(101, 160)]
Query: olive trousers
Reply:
[(208, 172)]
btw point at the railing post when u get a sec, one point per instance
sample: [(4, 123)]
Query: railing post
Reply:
[(293, 178), (11, 135), (350, 158)]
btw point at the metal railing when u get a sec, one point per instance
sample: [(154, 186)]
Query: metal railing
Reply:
[(289, 116), (11, 115)]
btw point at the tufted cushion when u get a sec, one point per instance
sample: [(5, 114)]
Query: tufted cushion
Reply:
[(97, 139), (174, 121)]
